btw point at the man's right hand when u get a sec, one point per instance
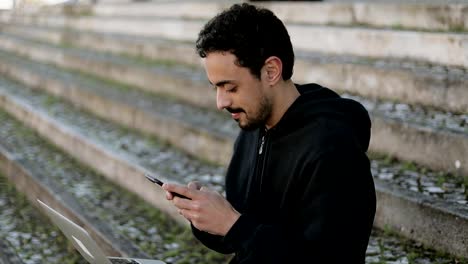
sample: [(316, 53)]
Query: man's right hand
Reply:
[(207, 210)]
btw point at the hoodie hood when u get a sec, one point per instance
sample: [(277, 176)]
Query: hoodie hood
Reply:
[(317, 101)]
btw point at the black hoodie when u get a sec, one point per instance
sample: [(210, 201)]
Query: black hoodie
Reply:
[(306, 194)]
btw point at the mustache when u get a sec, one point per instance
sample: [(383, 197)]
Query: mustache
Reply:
[(234, 110)]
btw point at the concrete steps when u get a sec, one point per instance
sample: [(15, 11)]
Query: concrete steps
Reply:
[(87, 148), (186, 127), (121, 222), (389, 14), (54, 120), (443, 48), (406, 81), (418, 140), (141, 73), (38, 185), (110, 105)]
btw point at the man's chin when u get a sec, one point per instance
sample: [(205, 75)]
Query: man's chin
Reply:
[(247, 126)]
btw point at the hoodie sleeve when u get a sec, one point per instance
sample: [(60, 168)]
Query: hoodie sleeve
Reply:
[(213, 242), (332, 223)]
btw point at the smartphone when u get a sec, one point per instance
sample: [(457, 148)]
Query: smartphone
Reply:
[(160, 183)]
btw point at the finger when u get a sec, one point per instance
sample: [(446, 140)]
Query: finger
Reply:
[(169, 196), (182, 203), (187, 214), (207, 189), (180, 189), (182, 213), (194, 185)]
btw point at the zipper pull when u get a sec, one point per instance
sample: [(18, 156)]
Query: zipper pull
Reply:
[(261, 145)]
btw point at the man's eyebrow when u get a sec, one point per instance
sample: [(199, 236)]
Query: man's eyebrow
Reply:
[(222, 83)]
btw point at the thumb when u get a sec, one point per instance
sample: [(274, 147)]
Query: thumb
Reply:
[(194, 185)]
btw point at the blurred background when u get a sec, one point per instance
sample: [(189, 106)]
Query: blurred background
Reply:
[(93, 94)]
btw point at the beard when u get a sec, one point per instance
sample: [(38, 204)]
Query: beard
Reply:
[(257, 119)]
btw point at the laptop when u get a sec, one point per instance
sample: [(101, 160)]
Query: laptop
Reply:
[(83, 242)]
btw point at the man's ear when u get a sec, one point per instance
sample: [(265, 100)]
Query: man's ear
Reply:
[(274, 69)]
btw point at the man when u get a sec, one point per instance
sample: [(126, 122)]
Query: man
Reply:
[(299, 187)]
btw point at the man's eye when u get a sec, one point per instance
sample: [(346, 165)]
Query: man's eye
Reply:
[(231, 90)]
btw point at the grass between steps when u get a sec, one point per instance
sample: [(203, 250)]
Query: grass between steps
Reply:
[(442, 176), (125, 88), (415, 251), (29, 233), (177, 244), (399, 27)]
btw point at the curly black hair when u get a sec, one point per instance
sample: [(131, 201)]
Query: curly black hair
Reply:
[(252, 34)]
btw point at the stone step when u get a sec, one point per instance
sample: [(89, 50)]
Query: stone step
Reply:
[(121, 222), (383, 246), (36, 185), (136, 46), (404, 81), (439, 48), (413, 16), (149, 76), (118, 157), (431, 16), (417, 203), (436, 139), (122, 155), (189, 128)]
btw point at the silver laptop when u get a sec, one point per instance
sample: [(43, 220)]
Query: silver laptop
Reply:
[(83, 242)]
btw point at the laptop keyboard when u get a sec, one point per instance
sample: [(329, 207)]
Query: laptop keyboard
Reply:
[(123, 261)]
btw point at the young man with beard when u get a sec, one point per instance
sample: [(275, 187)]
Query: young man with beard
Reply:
[(299, 187)]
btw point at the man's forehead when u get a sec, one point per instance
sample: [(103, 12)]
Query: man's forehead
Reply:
[(221, 68)]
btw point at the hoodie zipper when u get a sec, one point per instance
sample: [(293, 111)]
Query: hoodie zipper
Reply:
[(254, 186), (262, 159), (260, 150)]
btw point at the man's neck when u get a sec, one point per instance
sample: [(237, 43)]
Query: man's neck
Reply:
[(284, 96)]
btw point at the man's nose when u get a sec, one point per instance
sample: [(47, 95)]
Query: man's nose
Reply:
[(222, 99)]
